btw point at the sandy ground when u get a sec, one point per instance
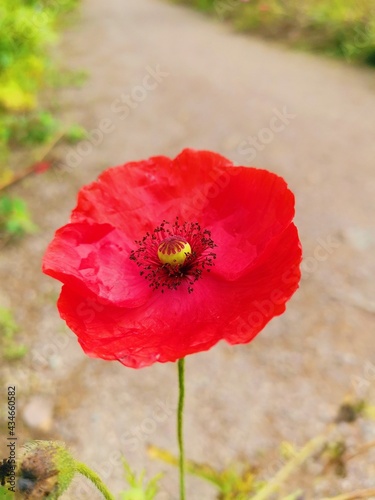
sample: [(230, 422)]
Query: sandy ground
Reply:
[(310, 120)]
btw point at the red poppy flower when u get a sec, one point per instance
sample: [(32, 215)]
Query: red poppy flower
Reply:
[(164, 258)]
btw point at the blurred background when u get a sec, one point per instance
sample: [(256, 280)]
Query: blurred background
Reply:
[(283, 85)]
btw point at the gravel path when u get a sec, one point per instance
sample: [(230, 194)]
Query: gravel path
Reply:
[(162, 78)]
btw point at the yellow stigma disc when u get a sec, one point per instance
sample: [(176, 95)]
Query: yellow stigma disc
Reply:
[(174, 251)]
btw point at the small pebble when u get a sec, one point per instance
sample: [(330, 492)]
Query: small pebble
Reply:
[(37, 413)]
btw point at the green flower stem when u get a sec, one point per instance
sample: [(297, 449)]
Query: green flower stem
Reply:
[(180, 414), (94, 478)]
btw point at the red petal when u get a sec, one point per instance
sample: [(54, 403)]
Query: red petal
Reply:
[(110, 306), (263, 292), (159, 331), (94, 259), (174, 324), (128, 197), (138, 196), (243, 207), (253, 208)]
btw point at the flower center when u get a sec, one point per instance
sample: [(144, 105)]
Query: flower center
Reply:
[(174, 254), (174, 250)]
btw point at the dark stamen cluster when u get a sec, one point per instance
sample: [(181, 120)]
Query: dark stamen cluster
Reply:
[(161, 276)]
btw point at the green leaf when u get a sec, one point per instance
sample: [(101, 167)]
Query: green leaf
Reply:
[(75, 134), (139, 491), (11, 349), (14, 217)]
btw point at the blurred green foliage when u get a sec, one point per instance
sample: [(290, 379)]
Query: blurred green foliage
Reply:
[(234, 482), (75, 133), (30, 129), (139, 491), (27, 29), (14, 218), (343, 28), (11, 350), (5, 494)]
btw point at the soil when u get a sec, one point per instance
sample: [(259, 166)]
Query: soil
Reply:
[(311, 120)]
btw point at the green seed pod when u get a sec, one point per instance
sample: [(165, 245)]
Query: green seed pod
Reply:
[(44, 470)]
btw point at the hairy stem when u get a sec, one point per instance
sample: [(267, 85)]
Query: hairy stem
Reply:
[(180, 422), (95, 479)]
